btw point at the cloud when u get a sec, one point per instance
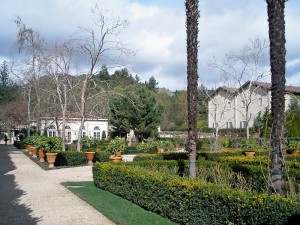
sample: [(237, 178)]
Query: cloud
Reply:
[(157, 31)]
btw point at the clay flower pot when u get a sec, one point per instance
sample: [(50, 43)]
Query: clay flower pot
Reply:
[(250, 154), (51, 157), (89, 156), (34, 151), (114, 158), (42, 155)]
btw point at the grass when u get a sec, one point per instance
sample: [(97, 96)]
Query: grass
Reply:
[(115, 208)]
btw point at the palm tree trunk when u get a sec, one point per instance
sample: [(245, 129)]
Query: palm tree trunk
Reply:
[(192, 15), (277, 59)]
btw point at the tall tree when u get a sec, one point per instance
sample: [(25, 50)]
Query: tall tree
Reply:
[(192, 16), (95, 47), (135, 108), (277, 59)]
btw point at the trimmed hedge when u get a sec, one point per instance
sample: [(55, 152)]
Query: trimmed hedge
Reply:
[(162, 156), (192, 202), (19, 144), (70, 158), (75, 158)]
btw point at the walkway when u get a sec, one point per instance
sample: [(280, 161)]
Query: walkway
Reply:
[(31, 195)]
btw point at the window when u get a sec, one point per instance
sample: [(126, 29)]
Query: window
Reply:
[(97, 133), (243, 104), (228, 105), (67, 127), (83, 134), (69, 136), (260, 101), (51, 133), (243, 124), (229, 125)]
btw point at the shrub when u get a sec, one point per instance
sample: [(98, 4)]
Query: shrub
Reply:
[(147, 156), (101, 156), (144, 146), (18, 144), (116, 144), (89, 142), (70, 158), (192, 202)]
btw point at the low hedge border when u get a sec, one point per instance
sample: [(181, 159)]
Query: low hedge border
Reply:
[(192, 202), (75, 158)]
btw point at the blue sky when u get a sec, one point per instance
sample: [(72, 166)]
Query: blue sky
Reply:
[(157, 32)]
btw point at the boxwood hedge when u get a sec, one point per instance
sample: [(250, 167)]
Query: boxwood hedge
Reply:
[(192, 202)]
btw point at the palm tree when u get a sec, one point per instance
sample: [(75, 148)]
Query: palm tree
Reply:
[(277, 60), (192, 15)]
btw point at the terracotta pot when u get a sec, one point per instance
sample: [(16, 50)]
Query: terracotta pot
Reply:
[(89, 156), (118, 154), (42, 155), (158, 149), (250, 154), (34, 151), (295, 152), (51, 157), (29, 149), (116, 158), (176, 146)]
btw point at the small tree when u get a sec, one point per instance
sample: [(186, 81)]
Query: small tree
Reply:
[(135, 108), (246, 65)]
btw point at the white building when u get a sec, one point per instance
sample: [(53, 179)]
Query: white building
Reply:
[(93, 127), (234, 108)]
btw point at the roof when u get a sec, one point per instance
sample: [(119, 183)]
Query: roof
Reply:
[(224, 88), (288, 88), (75, 116)]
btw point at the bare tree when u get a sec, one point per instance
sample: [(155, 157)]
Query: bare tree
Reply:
[(277, 58), (247, 65), (97, 46), (32, 47), (58, 70), (192, 16)]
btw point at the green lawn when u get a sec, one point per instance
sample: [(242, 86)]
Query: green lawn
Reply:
[(114, 207)]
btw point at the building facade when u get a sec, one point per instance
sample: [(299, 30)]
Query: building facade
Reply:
[(93, 127), (236, 108)]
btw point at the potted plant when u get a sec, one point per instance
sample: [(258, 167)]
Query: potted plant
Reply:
[(249, 145), (294, 147), (158, 144), (167, 145), (144, 146), (53, 144), (116, 146), (89, 154)]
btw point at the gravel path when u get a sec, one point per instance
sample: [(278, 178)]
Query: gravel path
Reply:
[(31, 195)]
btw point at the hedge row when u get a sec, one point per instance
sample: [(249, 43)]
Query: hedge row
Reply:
[(74, 158), (192, 202)]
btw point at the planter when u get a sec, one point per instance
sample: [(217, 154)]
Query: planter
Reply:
[(177, 146), (158, 149), (28, 147), (294, 152), (89, 156), (51, 157), (114, 158), (118, 154), (34, 151), (42, 155), (250, 154)]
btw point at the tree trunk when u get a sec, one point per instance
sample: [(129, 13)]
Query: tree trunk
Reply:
[(192, 15), (277, 60)]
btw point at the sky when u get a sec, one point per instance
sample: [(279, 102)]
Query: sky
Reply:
[(156, 32)]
